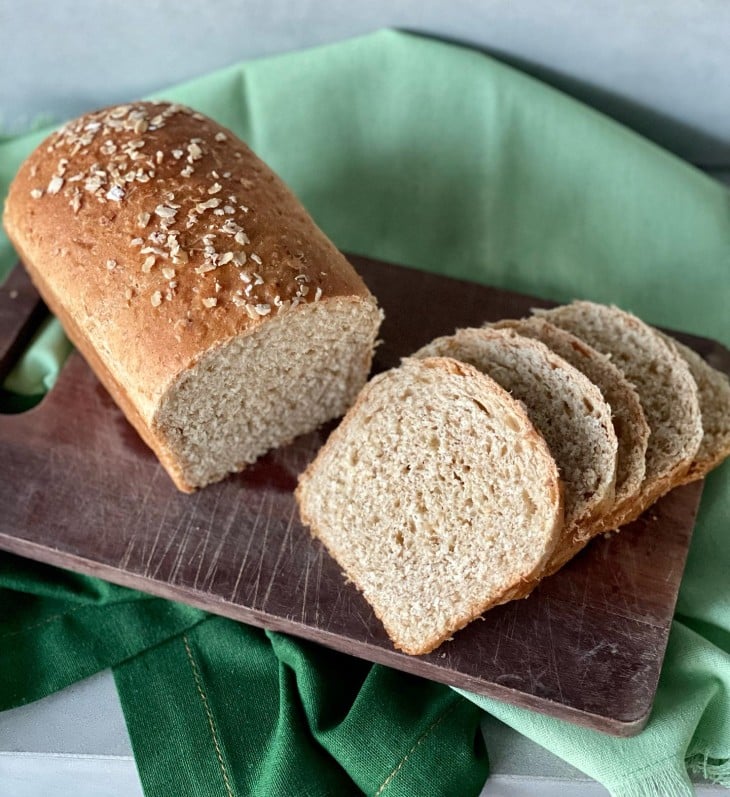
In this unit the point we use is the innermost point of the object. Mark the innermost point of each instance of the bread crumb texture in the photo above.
(713, 391)
(662, 379)
(425, 495)
(627, 414)
(564, 405)
(436, 496)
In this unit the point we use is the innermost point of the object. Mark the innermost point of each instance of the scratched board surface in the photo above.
(80, 490)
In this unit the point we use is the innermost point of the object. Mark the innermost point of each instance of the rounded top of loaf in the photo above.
(163, 235)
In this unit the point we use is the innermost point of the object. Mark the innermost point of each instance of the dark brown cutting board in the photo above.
(80, 490)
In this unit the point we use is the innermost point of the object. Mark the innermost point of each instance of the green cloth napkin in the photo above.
(438, 157)
(214, 707)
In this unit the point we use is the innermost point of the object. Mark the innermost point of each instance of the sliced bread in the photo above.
(565, 406)
(437, 497)
(662, 379)
(628, 418)
(713, 388)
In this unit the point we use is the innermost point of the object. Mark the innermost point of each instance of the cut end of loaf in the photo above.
(265, 387)
(436, 496)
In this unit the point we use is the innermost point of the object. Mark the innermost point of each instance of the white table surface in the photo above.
(660, 67)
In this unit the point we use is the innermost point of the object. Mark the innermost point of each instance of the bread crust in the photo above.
(105, 376)
(156, 235)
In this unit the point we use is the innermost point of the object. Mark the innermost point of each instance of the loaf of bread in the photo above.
(437, 497)
(216, 313)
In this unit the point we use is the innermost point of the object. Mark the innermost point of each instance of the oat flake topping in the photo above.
(190, 237)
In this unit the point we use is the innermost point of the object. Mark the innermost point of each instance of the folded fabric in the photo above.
(214, 707)
(436, 156)
(59, 627)
(266, 714)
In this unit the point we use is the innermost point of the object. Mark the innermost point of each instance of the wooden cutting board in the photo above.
(80, 490)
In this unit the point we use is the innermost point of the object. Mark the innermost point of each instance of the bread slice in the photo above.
(565, 406)
(662, 379)
(436, 495)
(714, 396)
(629, 423)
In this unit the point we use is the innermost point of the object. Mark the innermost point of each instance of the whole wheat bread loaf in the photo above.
(565, 406)
(437, 497)
(216, 313)
(662, 379)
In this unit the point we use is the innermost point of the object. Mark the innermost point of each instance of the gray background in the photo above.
(660, 66)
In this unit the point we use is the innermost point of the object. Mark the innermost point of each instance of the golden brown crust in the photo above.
(155, 235)
(105, 376)
(154, 293)
(701, 467)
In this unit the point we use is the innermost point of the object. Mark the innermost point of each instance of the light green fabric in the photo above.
(438, 157)
(35, 373)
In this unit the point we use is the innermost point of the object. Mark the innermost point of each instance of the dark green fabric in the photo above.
(217, 708)
(58, 627)
(253, 712)
(438, 157)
